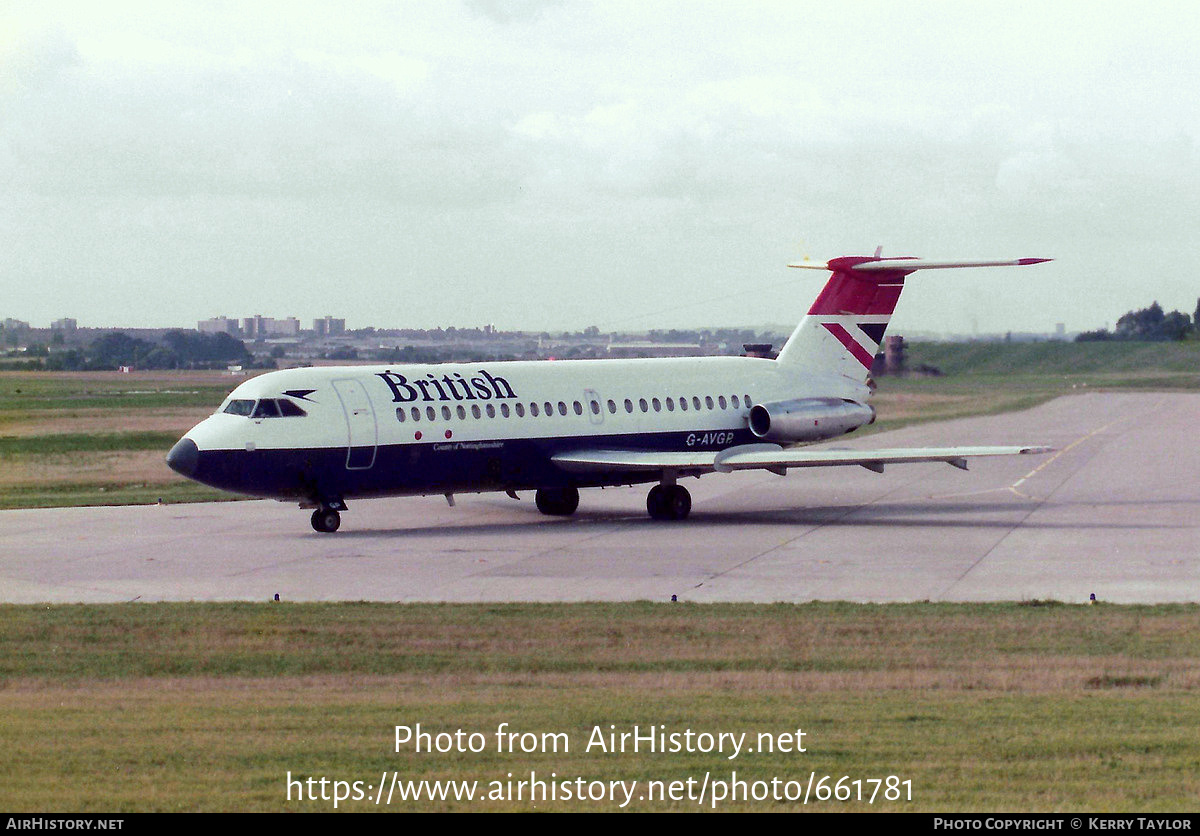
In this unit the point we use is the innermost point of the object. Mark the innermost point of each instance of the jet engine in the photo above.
(808, 419)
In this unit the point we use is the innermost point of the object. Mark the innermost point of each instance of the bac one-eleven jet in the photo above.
(321, 436)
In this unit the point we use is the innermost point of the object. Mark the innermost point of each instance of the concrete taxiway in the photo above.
(1115, 512)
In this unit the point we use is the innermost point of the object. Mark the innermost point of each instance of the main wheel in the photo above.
(679, 502)
(326, 520)
(656, 503)
(557, 502)
(668, 502)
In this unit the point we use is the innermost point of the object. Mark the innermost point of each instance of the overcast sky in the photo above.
(550, 165)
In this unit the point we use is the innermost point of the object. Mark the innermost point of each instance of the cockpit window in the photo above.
(267, 408)
(239, 407)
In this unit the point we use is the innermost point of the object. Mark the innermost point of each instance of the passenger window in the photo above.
(562, 408)
(266, 408)
(289, 410)
(696, 403)
(612, 407)
(504, 409)
(445, 413)
(400, 414)
(670, 405)
(462, 412)
(475, 410)
(747, 400)
(533, 410)
(657, 404)
(578, 408)
(735, 402)
(629, 406)
(491, 411)
(708, 401)
(596, 407)
(430, 413)
(549, 408)
(683, 404)
(520, 411)
(721, 401)
(642, 404)
(416, 413)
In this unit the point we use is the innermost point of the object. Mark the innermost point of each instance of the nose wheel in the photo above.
(669, 502)
(326, 520)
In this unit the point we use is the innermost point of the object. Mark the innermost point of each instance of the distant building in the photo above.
(15, 325)
(289, 327)
(255, 327)
(261, 327)
(218, 325)
(328, 326)
(66, 325)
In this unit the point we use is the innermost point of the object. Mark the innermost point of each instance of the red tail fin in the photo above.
(845, 325)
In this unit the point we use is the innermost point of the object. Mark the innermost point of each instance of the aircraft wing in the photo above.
(775, 458)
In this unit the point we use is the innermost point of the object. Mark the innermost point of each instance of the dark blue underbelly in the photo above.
(432, 467)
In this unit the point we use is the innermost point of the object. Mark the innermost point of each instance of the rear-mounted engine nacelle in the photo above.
(808, 419)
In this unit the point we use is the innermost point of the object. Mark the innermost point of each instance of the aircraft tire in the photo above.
(679, 502)
(656, 503)
(557, 502)
(326, 520)
(668, 502)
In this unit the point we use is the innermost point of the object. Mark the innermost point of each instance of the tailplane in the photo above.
(844, 327)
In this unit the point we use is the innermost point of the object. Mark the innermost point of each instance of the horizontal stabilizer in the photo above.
(908, 265)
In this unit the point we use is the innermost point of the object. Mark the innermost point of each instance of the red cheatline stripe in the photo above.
(843, 336)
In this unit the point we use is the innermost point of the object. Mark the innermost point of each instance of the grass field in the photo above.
(100, 438)
(1016, 707)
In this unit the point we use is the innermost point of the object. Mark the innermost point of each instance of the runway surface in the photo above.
(1115, 512)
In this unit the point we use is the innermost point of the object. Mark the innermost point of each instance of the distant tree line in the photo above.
(1148, 325)
(178, 350)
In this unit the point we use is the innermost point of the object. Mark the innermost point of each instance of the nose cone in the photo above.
(183, 457)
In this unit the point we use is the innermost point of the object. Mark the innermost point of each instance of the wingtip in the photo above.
(1024, 261)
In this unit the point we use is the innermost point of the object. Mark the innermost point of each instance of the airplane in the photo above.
(321, 435)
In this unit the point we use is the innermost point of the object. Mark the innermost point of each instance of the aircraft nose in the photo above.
(183, 457)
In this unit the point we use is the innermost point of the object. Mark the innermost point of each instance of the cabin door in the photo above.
(361, 430)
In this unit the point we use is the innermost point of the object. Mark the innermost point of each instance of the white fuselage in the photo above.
(373, 425)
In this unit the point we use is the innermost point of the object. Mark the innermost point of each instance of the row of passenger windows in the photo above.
(549, 409)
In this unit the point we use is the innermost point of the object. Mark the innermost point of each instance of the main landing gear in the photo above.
(557, 502)
(326, 520)
(669, 502)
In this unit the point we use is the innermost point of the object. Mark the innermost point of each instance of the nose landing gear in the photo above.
(326, 520)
